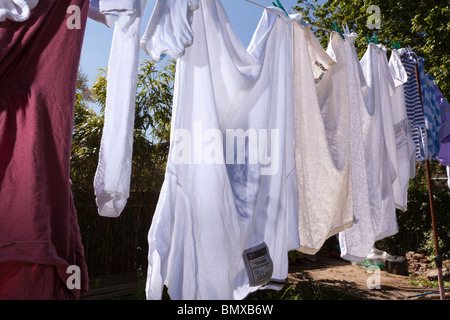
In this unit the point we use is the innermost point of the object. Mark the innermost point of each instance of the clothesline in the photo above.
(312, 25)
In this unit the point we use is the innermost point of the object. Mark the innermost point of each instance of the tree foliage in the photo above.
(422, 25)
(153, 111)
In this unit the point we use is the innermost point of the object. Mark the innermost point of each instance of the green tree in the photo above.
(152, 125)
(87, 130)
(422, 25)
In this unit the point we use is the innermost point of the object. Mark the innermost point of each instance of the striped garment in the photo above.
(431, 110)
(414, 107)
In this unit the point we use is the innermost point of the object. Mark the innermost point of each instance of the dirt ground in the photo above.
(326, 272)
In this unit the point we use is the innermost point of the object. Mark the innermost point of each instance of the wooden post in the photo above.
(437, 258)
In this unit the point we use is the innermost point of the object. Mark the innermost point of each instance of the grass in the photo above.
(424, 282)
(311, 291)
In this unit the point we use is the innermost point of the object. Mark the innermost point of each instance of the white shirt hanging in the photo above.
(381, 154)
(403, 134)
(227, 213)
(322, 142)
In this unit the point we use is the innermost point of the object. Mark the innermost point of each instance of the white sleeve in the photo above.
(397, 69)
(96, 15)
(112, 179)
(169, 31)
(119, 7)
(16, 10)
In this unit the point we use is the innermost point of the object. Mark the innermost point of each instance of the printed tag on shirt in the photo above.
(401, 131)
(259, 265)
(319, 65)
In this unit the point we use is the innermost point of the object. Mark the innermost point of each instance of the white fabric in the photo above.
(378, 221)
(212, 207)
(119, 7)
(174, 20)
(322, 150)
(112, 179)
(96, 15)
(357, 241)
(381, 153)
(403, 134)
(448, 176)
(16, 10)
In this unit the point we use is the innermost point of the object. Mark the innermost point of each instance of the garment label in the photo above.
(401, 131)
(318, 71)
(319, 65)
(259, 265)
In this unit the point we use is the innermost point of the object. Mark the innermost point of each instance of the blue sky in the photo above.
(244, 17)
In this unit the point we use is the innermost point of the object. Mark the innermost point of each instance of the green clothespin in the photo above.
(279, 5)
(375, 39)
(335, 27)
(394, 45)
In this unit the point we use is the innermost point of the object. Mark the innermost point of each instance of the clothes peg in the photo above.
(376, 39)
(346, 29)
(395, 45)
(335, 27)
(279, 5)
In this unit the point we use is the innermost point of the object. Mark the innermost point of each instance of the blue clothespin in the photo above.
(279, 5)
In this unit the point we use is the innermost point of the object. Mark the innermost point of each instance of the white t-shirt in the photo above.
(227, 213)
(405, 146)
(322, 151)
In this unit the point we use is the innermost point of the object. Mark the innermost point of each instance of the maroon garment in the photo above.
(31, 281)
(39, 61)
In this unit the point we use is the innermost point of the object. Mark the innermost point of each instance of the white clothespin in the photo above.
(346, 29)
